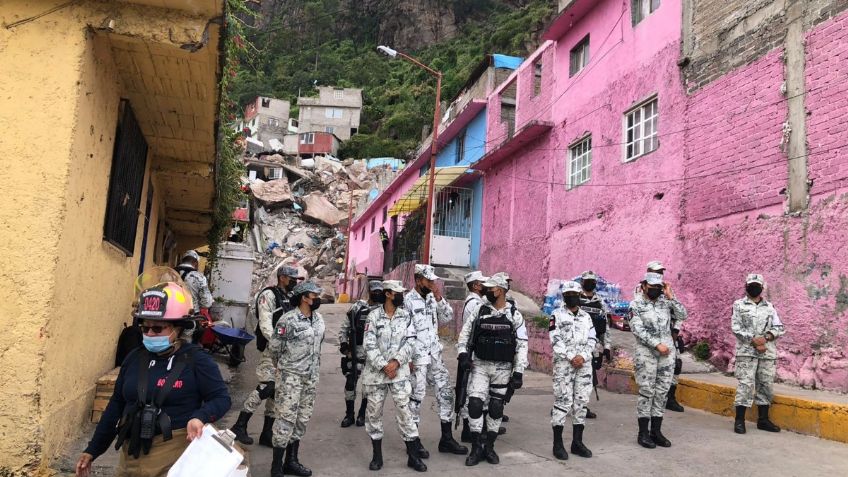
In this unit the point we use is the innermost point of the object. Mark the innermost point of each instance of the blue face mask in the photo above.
(156, 344)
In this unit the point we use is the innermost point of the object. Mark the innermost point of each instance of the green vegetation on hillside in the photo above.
(398, 96)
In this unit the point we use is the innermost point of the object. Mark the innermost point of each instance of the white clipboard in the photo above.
(211, 455)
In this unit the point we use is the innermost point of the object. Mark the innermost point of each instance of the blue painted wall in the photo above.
(475, 144)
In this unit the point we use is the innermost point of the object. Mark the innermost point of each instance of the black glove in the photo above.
(608, 355)
(464, 361)
(344, 348)
(517, 380)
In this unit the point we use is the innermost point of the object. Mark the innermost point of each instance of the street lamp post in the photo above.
(431, 186)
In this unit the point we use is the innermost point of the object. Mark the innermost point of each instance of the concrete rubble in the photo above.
(300, 219)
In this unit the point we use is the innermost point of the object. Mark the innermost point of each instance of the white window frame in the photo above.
(329, 129)
(641, 9)
(579, 170)
(645, 115)
(307, 138)
(333, 113)
(274, 122)
(275, 173)
(580, 54)
(338, 93)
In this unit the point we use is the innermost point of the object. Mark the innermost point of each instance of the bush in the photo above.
(701, 350)
(541, 322)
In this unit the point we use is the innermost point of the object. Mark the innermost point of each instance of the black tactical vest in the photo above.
(593, 307)
(494, 338)
(281, 304)
(359, 323)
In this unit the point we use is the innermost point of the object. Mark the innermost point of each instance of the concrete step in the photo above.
(812, 412)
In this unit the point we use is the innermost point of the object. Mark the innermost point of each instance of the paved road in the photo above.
(703, 444)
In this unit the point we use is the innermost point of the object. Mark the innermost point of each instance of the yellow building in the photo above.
(107, 162)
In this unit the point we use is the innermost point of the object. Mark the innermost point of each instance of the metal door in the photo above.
(451, 244)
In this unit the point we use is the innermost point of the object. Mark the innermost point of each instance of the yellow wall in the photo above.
(65, 292)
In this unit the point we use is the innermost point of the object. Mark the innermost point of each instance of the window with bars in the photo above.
(640, 129)
(640, 9)
(129, 160)
(579, 57)
(338, 93)
(579, 162)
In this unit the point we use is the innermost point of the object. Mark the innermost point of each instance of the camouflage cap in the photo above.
(306, 287)
(755, 278)
(496, 280)
(503, 275)
(571, 286)
(426, 271)
(656, 266)
(475, 276)
(393, 285)
(589, 275)
(375, 285)
(286, 271)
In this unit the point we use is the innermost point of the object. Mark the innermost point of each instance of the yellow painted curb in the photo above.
(804, 416)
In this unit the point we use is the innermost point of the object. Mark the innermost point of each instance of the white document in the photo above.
(210, 455)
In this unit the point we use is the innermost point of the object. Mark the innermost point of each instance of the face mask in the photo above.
(490, 295)
(571, 300)
(397, 301)
(425, 291)
(654, 293)
(589, 286)
(316, 303)
(754, 289)
(290, 286)
(378, 297)
(156, 344)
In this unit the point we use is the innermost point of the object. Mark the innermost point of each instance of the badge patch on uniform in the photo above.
(552, 324)
(281, 330)
(366, 326)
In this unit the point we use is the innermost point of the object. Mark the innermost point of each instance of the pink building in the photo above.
(618, 142)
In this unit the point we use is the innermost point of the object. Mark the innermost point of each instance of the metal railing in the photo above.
(452, 217)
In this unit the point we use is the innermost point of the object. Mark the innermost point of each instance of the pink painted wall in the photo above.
(736, 225)
(537, 229)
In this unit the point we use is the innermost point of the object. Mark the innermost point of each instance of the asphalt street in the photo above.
(703, 443)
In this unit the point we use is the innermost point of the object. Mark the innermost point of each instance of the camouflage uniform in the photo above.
(430, 369)
(491, 377)
(296, 348)
(386, 339)
(755, 371)
(571, 334)
(198, 286)
(472, 305)
(344, 337)
(651, 322)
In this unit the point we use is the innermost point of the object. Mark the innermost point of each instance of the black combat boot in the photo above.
(447, 442)
(739, 423)
(671, 400)
(413, 459)
(377, 457)
(267, 432)
(291, 465)
(476, 454)
(590, 414)
(277, 462)
(360, 416)
(348, 419)
(466, 432)
(577, 446)
(559, 449)
(489, 451)
(240, 428)
(505, 418)
(644, 438)
(763, 422)
(422, 452)
(656, 432)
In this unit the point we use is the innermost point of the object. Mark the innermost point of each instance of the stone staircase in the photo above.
(454, 280)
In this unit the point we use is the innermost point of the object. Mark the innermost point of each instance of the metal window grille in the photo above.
(129, 160)
(407, 244)
(580, 163)
(579, 57)
(453, 213)
(641, 130)
(338, 94)
(276, 173)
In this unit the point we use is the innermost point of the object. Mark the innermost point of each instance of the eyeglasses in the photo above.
(156, 329)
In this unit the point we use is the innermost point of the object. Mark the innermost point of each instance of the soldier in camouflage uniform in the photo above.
(493, 345)
(354, 328)
(389, 347)
(652, 316)
(573, 340)
(271, 304)
(473, 301)
(597, 308)
(756, 326)
(429, 309)
(296, 348)
(196, 282)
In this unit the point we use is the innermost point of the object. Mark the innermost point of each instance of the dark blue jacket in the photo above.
(200, 393)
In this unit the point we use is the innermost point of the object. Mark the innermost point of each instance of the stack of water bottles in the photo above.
(610, 292)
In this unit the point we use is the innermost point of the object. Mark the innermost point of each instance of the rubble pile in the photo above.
(300, 219)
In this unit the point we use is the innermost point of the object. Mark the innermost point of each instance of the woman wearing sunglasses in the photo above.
(165, 392)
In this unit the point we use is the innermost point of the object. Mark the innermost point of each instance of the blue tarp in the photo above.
(382, 161)
(504, 61)
(610, 292)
